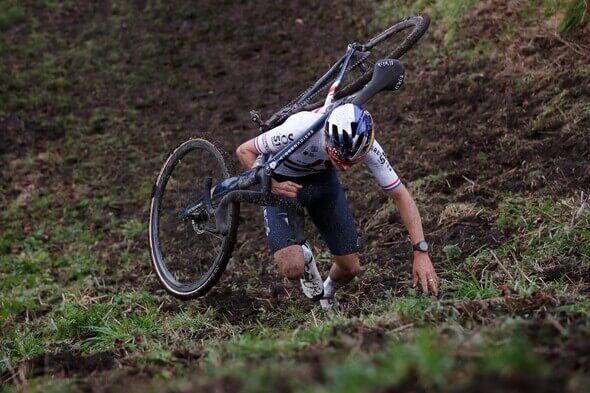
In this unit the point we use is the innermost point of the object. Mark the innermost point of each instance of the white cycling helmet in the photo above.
(348, 133)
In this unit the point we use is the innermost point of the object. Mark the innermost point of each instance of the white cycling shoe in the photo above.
(311, 283)
(329, 301)
(330, 304)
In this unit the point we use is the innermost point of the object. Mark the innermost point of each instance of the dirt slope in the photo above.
(94, 95)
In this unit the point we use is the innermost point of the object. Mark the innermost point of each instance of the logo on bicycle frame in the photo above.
(389, 63)
(399, 82)
(279, 140)
(386, 62)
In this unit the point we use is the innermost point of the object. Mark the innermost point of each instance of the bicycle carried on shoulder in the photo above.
(194, 211)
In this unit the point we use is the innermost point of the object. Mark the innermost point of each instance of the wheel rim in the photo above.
(391, 43)
(185, 259)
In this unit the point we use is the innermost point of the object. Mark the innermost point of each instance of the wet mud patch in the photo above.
(573, 271)
(20, 136)
(221, 385)
(64, 364)
(489, 309)
(358, 335)
(187, 356)
(267, 305)
(574, 354)
(467, 122)
(237, 306)
(469, 234)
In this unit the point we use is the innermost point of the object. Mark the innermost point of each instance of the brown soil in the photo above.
(242, 55)
(62, 365)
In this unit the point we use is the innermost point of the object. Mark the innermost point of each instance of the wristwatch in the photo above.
(421, 246)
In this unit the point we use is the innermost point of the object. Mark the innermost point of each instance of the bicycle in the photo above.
(206, 216)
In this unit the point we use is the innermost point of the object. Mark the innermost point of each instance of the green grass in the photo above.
(445, 13)
(411, 308)
(576, 12)
(513, 357)
(540, 234)
(545, 229)
(452, 252)
(447, 17)
(423, 358)
(74, 267)
(118, 322)
(11, 14)
(76, 321)
(472, 287)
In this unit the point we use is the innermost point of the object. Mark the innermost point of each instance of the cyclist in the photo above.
(309, 176)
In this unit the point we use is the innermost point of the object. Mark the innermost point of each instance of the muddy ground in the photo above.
(465, 131)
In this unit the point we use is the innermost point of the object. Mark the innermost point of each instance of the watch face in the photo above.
(421, 246)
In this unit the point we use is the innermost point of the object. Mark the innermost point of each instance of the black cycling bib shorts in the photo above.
(324, 199)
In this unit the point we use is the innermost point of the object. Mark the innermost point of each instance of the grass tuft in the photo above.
(513, 358)
(574, 16)
(11, 14)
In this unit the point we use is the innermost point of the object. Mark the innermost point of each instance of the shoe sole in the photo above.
(317, 298)
(314, 298)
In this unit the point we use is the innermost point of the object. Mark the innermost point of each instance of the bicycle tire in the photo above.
(420, 22)
(176, 248)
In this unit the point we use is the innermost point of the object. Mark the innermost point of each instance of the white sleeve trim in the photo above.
(381, 170)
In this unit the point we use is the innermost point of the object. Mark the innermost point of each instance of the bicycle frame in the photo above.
(251, 177)
(341, 64)
(387, 75)
(292, 147)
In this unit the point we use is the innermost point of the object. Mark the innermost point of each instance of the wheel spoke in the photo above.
(184, 257)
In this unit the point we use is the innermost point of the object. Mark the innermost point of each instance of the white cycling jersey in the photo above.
(312, 157)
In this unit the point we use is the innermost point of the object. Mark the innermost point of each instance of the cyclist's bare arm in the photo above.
(409, 212)
(422, 270)
(247, 155)
(392, 185)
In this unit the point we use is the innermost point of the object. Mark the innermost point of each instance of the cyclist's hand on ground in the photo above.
(286, 188)
(423, 272)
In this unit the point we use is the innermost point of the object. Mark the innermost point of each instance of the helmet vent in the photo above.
(353, 126)
(335, 137)
(346, 139)
(358, 144)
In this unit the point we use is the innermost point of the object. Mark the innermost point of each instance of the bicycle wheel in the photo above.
(362, 62)
(187, 258)
(389, 44)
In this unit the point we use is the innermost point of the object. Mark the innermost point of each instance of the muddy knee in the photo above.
(290, 261)
(345, 267)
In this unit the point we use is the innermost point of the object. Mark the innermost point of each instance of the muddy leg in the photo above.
(290, 261)
(345, 268)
